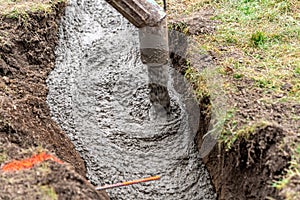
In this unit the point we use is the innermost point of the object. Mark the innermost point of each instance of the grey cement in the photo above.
(99, 95)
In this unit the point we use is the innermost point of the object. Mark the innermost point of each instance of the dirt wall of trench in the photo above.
(247, 169)
(27, 45)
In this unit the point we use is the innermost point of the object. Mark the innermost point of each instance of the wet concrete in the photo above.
(99, 95)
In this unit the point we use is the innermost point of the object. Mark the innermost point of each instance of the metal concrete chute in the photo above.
(140, 13)
(151, 20)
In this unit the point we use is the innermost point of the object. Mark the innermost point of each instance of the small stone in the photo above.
(286, 87)
(6, 79)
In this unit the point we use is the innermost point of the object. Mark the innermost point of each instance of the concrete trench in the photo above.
(98, 93)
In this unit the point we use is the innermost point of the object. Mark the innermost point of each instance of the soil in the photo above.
(26, 58)
(48, 180)
(247, 169)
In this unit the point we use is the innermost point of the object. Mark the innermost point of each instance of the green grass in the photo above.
(230, 134)
(48, 192)
(20, 8)
(3, 157)
(266, 34)
(292, 177)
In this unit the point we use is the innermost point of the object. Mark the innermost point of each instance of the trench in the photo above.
(98, 94)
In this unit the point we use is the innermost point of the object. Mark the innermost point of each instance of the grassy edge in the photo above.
(276, 53)
(20, 9)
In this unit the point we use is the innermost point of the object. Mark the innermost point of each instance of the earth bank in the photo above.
(27, 44)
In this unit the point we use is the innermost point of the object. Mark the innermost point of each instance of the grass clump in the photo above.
(20, 8)
(258, 39)
(3, 157)
(48, 192)
(292, 176)
(198, 81)
(230, 134)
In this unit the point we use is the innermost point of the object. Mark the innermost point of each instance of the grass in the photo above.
(21, 8)
(48, 192)
(292, 177)
(206, 85)
(245, 131)
(3, 157)
(269, 58)
(257, 43)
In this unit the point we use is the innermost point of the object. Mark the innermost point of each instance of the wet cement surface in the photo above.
(99, 95)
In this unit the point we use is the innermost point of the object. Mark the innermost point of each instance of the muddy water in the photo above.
(99, 95)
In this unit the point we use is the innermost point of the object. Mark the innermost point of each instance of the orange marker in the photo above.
(17, 165)
(152, 178)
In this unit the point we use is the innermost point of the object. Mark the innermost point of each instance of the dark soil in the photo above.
(26, 58)
(48, 180)
(247, 169)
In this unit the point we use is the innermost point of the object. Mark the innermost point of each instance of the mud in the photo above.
(99, 95)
